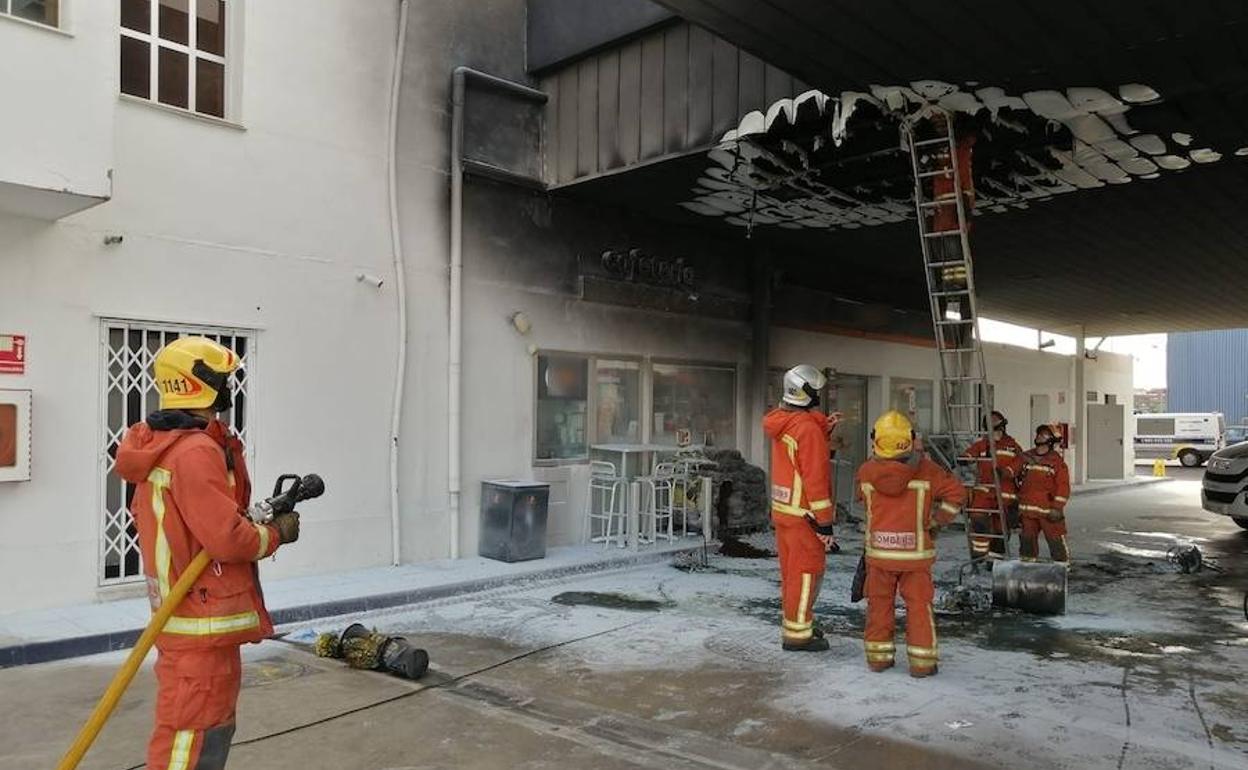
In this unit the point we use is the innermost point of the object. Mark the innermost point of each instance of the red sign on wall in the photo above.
(12, 354)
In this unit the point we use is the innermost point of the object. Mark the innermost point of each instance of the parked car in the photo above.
(1236, 434)
(1224, 489)
(1190, 438)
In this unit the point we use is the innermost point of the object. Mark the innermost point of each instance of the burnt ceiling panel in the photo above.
(1154, 236)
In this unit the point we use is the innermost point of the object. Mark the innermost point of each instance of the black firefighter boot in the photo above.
(813, 644)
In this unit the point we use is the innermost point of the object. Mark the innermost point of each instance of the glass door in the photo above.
(849, 397)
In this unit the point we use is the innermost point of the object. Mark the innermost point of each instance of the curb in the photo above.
(78, 646)
(1139, 482)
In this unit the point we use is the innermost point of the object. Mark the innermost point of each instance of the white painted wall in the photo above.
(57, 94)
(263, 228)
(442, 34)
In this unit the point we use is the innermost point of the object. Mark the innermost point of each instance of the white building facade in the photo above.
(221, 168)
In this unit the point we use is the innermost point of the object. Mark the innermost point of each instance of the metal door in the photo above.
(1105, 435)
(850, 399)
(1039, 415)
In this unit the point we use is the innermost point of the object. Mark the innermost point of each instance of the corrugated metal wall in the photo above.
(670, 91)
(1208, 372)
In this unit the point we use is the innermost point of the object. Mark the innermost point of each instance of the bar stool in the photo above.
(689, 471)
(606, 488)
(663, 486)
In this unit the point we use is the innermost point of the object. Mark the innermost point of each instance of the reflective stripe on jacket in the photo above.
(900, 498)
(1009, 458)
(188, 501)
(800, 464)
(1043, 483)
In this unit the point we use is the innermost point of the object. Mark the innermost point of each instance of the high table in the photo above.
(643, 461)
(644, 454)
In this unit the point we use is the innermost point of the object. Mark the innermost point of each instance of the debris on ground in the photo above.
(613, 601)
(1189, 559)
(691, 561)
(739, 549)
(964, 599)
(372, 650)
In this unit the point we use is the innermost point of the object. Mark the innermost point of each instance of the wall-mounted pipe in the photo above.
(400, 281)
(459, 87)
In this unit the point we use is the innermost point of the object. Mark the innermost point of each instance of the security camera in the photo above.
(371, 280)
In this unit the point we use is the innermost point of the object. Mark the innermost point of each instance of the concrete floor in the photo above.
(1145, 671)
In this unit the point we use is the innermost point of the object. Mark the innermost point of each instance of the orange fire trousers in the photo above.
(918, 592)
(1054, 535)
(196, 693)
(802, 560)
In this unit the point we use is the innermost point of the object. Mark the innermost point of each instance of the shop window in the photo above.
(174, 52)
(130, 395)
(699, 399)
(46, 12)
(913, 398)
(562, 406)
(617, 408)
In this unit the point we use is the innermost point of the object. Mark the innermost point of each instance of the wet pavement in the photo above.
(680, 667)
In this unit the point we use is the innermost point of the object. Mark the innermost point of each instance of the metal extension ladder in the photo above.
(929, 138)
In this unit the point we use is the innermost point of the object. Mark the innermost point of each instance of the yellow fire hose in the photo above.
(123, 677)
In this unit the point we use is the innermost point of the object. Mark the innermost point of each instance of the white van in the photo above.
(1190, 437)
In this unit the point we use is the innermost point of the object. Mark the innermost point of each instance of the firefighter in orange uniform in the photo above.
(1009, 457)
(953, 277)
(801, 502)
(192, 493)
(1043, 490)
(900, 487)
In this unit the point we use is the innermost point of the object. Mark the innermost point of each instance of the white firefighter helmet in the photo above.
(802, 384)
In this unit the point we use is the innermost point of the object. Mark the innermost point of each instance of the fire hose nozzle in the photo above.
(285, 498)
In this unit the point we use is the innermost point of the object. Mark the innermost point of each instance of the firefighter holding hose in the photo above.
(192, 492)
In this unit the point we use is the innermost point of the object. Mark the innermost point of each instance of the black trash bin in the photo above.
(513, 520)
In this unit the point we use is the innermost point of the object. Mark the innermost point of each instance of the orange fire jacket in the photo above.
(1044, 484)
(899, 497)
(801, 483)
(188, 499)
(1008, 462)
(946, 217)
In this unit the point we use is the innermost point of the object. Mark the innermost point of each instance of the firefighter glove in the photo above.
(820, 529)
(1055, 514)
(287, 526)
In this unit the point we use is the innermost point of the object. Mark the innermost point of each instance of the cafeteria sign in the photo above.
(12, 354)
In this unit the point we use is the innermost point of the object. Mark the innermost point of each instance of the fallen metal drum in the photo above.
(1038, 587)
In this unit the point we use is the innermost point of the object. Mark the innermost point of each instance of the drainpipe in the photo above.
(1078, 418)
(400, 282)
(459, 86)
(760, 356)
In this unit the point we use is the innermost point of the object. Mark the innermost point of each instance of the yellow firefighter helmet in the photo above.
(892, 436)
(194, 373)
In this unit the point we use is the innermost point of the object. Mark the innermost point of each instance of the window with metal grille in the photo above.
(130, 395)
